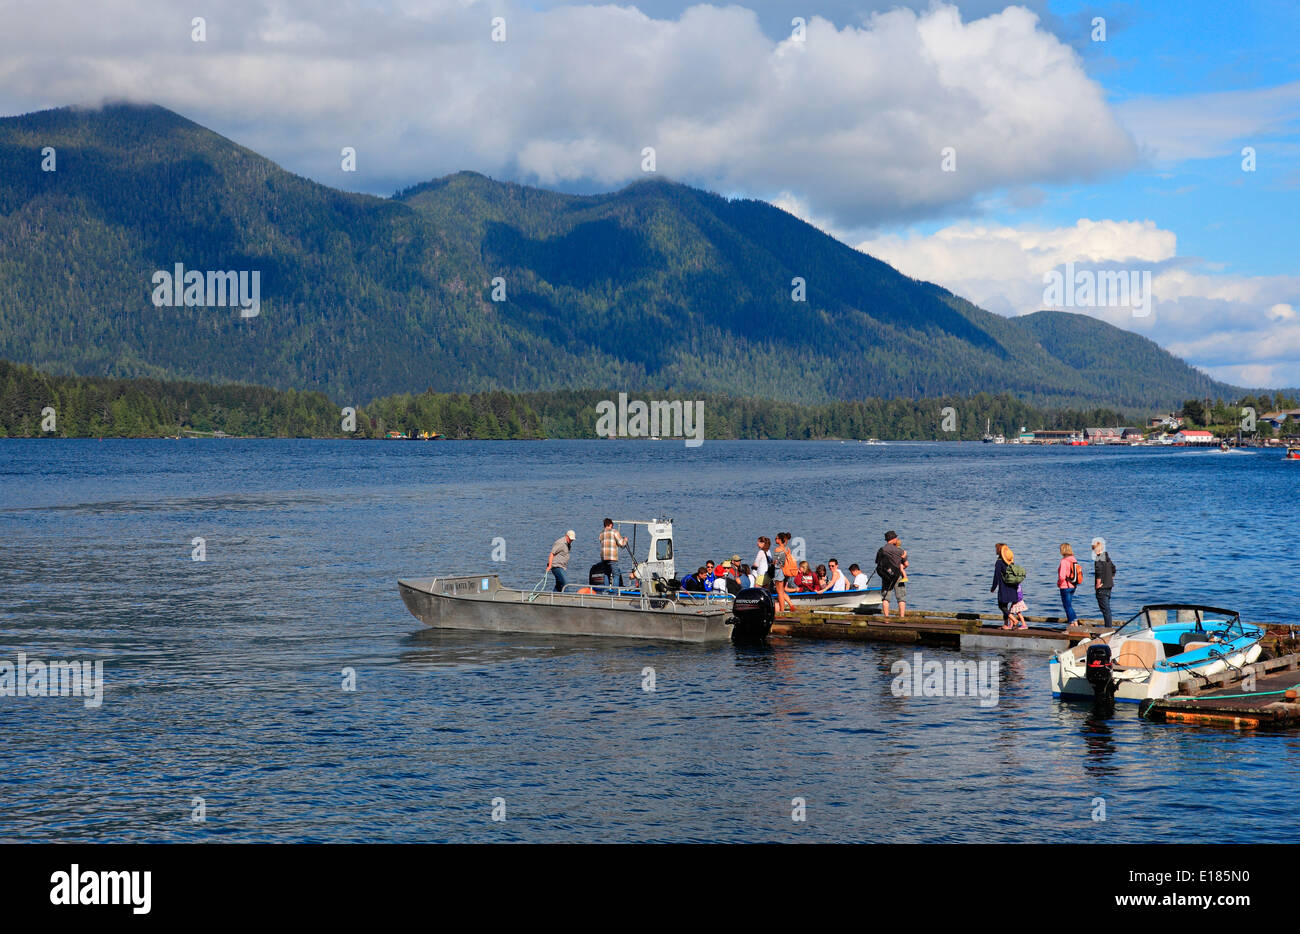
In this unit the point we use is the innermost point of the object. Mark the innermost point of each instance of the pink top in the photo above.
(1065, 572)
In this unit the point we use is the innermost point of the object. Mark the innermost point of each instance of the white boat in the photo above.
(840, 599)
(827, 599)
(1154, 652)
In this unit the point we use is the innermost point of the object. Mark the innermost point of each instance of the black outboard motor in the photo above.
(752, 613)
(1101, 671)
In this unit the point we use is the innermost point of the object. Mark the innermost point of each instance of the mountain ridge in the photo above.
(655, 284)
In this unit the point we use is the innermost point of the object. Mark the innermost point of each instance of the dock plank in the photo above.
(1230, 705)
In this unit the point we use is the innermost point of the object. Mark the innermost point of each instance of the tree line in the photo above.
(38, 404)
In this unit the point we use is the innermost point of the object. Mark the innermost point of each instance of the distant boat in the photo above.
(1292, 454)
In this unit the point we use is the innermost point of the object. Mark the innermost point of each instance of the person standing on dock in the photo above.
(1103, 574)
(763, 562)
(1007, 593)
(610, 543)
(786, 568)
(1068, 576)
(558, 560)
(890, 562)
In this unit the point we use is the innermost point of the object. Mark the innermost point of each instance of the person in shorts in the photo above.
(891, 567)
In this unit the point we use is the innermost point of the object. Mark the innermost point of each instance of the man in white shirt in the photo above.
(859, 579)
(838, 582)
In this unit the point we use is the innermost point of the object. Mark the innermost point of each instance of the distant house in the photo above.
(1164, 422)
(1192, 436)
(1281, 417)
(1102, 435)
(1131, 434)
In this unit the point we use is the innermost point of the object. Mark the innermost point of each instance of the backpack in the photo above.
(1013, 575)
(1076, 574)
(886, 570)
(789, 567)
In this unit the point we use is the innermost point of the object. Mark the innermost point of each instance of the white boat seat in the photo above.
(1138, 653)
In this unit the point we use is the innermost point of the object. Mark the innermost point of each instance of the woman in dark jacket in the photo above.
(1007, 593)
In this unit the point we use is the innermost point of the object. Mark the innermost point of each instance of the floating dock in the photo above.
(967, 630)
(925, 627)
(1273, 699)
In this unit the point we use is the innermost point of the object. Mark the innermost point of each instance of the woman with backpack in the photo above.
(1007, 578)
(1069, 574)
(786, 569)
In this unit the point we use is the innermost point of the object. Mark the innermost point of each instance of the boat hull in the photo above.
(840, 599)
(1069, 681)
(481, 604)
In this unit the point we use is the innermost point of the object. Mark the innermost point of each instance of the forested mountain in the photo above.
(657, 284)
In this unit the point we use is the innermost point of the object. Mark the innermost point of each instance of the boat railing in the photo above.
(587, 596)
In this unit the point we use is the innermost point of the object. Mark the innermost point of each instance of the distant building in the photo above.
(1131, 434)
(1192, 436)
(1104, 435)
(1164, 422)
(1052, 436)
(1281, 417)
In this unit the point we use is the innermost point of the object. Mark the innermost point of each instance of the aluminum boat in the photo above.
(482, 603)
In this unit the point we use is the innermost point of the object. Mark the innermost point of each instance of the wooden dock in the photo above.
(967, 630)
(926, 627)
(1272, 701)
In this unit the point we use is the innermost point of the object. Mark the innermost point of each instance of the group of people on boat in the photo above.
(778, 570)
(1009, 578)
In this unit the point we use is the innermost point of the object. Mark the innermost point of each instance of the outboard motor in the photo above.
(752, 613)
(1101, 673)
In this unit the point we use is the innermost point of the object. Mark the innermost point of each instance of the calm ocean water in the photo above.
(223, 677)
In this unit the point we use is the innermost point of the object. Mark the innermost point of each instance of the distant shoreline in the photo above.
(36, 404)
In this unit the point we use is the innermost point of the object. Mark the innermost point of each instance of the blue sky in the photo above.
(1176, 51)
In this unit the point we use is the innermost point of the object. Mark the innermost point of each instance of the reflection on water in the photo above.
(224, 678)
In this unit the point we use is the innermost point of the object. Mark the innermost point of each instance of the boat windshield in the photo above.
(1186, 616)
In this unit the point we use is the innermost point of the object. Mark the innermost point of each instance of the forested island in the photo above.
(36, 404)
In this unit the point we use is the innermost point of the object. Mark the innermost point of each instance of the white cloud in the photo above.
(1242, 329)
(853, 119)
(1200, 126)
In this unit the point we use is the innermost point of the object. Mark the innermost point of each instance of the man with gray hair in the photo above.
(1103, 575)
(558, 560)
